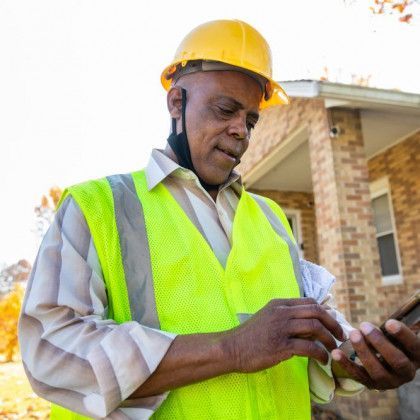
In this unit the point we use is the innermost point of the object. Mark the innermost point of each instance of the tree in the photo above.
(13, 277)
(402, 8)
(9, 313)
(15, 273)
(44, 212)
(11, 293)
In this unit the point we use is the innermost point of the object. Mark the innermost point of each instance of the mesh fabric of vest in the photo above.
(195, 294)
(95, 200)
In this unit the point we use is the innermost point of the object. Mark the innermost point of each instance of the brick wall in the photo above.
(304, 202)
(346, 237)
(343, 208)
(401, 164)
(275, 124)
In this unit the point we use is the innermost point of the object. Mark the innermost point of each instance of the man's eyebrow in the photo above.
(230, 99)
(238, 105)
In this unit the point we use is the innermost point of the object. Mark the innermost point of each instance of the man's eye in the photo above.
(226, 111)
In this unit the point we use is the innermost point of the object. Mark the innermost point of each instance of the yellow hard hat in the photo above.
(234, 43)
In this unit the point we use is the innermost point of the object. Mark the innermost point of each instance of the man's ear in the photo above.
(174, 102)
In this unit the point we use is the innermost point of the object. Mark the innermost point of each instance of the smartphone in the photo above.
(408, 313)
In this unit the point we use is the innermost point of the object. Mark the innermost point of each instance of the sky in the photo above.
(80, 93)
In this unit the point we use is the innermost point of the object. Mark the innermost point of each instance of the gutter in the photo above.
(351, 93)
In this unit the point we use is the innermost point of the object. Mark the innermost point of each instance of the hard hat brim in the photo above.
(278, 96)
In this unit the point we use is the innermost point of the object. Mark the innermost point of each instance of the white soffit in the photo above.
(293, 173)
(280, 153)
(383, 129)
(332, 103)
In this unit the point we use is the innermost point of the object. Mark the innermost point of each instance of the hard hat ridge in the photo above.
(230, 43)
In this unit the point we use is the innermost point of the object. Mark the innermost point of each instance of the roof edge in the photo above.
(351, 93)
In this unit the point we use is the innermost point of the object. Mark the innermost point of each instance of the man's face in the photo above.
(222, 109)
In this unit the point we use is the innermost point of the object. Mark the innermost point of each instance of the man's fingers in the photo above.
(356, 372)
(312, 329)
(318, 312)
(366, 355)
(381, 377)
(394, 357)
(410, 342)
(308, 348)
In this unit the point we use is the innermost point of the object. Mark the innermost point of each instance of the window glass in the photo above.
(388, 255)
(382, 214)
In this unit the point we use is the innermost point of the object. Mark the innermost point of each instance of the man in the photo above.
(173, 292)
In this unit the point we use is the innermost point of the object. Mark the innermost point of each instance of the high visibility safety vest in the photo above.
(160, 271)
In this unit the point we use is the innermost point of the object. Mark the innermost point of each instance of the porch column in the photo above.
(345, 232)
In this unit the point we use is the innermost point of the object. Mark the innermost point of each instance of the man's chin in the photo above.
(216, 180)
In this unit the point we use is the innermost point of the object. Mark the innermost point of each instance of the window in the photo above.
(385, 232)
(293, 217)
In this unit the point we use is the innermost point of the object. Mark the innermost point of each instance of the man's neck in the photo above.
(171, 155)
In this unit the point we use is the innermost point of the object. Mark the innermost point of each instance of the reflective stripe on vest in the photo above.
(278, 227)
(134, 250)
(150, 291)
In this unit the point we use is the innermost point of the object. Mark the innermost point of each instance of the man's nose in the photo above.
(238, 128)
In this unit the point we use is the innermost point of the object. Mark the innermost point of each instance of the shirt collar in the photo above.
(160, 166)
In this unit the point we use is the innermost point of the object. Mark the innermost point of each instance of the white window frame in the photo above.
(377, 189)
(294, 214)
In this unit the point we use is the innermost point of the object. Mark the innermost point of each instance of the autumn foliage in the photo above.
(17, 400)
(11, 291)
(44, 212)
(9, 312)
(403, 8)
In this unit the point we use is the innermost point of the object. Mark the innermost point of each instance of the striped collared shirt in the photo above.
(71, 351)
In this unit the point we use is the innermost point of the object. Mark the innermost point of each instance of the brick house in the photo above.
(344, 163)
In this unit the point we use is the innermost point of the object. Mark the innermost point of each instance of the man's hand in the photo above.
(280, 330)
(283, 328)
(384, 365)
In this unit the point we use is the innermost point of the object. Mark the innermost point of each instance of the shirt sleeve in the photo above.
(317, 283)
(72, 354)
